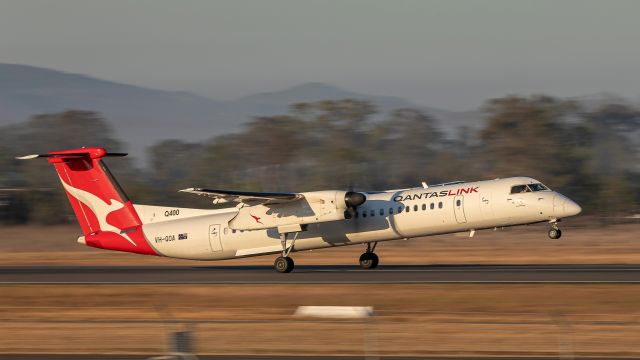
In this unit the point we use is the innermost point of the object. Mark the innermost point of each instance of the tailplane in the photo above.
(105, 213)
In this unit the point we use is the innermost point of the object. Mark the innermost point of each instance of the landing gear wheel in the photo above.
(283, 264)
(555, 233)
(369, 260)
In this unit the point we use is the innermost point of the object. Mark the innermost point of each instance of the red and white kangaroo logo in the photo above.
(99, 207)
(257, 219)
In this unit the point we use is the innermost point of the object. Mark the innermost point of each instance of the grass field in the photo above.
(409, 319)
(423, 319)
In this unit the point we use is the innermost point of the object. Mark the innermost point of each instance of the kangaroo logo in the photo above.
(257, 219)
(100, 208)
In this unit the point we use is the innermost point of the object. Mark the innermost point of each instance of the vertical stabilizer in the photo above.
(105, 213)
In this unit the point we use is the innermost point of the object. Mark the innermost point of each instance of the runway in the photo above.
(275, 357)
(331, 274)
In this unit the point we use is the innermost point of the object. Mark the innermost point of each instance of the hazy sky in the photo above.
(451, 54)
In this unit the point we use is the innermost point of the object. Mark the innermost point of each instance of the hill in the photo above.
(141, 116)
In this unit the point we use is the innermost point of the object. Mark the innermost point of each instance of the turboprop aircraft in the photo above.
(282, 223)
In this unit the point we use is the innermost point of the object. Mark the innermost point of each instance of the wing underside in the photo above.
(224, 196)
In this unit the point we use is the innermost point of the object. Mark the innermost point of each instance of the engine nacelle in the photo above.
(315, 207)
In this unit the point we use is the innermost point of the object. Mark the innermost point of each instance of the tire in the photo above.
(369, 260)
(376, 260)
(290, 264)
(283, 264)
(555, 234)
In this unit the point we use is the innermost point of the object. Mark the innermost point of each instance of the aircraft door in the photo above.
(458, 206)
(214, 238)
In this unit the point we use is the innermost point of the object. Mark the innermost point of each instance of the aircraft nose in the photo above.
(571, 208)
(564, 207)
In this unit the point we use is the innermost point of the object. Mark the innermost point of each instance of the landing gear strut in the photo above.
(285, 264)
(554, 232)
(369, 259)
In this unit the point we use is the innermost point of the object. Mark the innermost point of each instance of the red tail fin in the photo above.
(106, 216)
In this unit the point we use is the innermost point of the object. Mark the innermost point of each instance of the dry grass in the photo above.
(469, 319)
(521, 245)
(428, 319)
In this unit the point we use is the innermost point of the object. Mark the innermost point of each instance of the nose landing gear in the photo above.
(554, 232)
(369, 259)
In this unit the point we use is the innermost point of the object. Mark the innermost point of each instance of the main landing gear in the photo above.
(554, 232)
(369, 259)
(285, 264)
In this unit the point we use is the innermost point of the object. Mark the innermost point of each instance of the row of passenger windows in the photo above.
(372, 213)
(390, 211)
(233, 231)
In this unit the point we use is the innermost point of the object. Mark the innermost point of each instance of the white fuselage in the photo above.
(389, 215)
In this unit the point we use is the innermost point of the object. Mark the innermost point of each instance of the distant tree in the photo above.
(614, 163)
(335, 147)
(615, 135)
(527, 136)
(405, 146)
(51, 132)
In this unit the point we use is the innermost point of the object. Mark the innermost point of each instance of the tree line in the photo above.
(589, 153)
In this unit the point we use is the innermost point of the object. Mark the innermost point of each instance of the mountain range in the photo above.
(141, 116)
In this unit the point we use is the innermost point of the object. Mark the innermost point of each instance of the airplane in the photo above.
(263, 223)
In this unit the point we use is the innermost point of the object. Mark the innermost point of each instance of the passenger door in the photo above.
(214, 238)
(458, 206)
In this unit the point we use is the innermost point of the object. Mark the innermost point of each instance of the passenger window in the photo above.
(381, 212)
(373, 213)
(390, 211)
(355, 215)
(364, 214)
(431, 206)
(424, 207)
(407, 209)
(415, 207)
(440, 205)
(458, 203)
(399, 209)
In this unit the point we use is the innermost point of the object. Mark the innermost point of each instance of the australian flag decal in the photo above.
(182, 236)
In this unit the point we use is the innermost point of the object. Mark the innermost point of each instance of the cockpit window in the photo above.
(517, 189)
(537, 187)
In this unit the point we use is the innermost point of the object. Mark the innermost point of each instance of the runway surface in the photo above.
(390, 274)
(268, 357)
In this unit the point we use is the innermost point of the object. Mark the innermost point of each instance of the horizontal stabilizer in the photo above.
(65, 155)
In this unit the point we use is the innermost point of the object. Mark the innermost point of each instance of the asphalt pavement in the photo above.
(331, 274)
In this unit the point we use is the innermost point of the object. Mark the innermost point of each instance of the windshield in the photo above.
(519, 189)
(528, 188)
(537, 187)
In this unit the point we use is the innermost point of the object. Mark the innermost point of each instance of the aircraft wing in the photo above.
(248, 197)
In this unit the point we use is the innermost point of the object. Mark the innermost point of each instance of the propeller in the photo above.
(353, 199)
